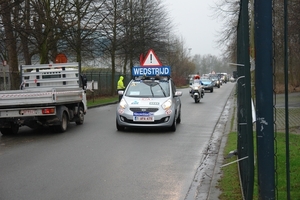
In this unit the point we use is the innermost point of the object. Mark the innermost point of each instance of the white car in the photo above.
(149, 101)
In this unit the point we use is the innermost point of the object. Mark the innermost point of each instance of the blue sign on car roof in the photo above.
(151, 71)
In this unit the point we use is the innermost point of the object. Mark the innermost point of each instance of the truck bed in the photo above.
(41, 96)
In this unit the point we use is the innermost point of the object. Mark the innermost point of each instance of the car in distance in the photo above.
(207, 84)
(149, 101)
(216, 80)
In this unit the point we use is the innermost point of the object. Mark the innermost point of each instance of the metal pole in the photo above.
(245, 126)
(286, 66)
(264, 99)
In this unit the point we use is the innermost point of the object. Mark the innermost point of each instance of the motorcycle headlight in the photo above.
(196, 88)
(123, 104)
(167, 104)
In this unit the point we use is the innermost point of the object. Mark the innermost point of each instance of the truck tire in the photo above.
(80, 116)
(10, 131)
(64, 123)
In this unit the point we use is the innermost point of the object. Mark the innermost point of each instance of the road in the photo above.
(95, 161)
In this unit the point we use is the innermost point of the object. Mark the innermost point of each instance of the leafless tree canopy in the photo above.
(116, 32)
(229, 10)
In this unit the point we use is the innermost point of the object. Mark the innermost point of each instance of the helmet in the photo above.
(196, 77)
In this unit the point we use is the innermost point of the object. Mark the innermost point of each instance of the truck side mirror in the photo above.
(84, 81)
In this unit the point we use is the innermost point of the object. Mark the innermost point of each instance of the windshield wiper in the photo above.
(151, 91)
(162, 90)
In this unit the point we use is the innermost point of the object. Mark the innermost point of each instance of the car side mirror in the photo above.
(178, 93)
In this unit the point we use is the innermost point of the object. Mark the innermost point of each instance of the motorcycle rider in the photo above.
(197, 81)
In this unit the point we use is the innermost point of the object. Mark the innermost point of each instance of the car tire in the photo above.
(120, 128)
(178, 120)
(173, 127)
(212, 90)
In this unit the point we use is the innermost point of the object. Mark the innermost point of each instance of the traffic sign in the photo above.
(151, 71)
(151, 60)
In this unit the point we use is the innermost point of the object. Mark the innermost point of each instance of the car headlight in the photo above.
(167, 104)
(123, 104)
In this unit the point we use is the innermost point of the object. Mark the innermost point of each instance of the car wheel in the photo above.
(178, 120)
(120, 128)
(173, 127)
(212, 90)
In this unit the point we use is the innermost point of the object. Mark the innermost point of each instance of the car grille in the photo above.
(144, 109)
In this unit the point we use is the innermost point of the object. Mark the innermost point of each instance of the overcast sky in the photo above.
(194, 22)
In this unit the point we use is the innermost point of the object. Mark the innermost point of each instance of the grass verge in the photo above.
(101, 101)
(229, 183)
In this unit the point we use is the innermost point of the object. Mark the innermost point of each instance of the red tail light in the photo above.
(48, 110)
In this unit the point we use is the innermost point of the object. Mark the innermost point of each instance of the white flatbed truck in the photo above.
(50, 96)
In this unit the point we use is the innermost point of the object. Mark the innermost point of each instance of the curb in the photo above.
(205, 181)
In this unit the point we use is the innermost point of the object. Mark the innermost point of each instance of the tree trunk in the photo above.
(11, 46)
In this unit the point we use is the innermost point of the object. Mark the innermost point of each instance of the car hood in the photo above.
(146, 101)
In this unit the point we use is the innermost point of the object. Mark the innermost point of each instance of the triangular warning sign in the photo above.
(151, 59)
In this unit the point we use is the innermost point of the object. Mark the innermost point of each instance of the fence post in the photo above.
(245, 126)
(264, 99)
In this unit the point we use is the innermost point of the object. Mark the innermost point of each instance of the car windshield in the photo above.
(148, 89)
(205, 80)
(214, 77)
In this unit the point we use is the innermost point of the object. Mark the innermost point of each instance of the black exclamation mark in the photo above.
(150, 58)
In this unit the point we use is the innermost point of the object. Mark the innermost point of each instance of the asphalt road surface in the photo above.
(95, 161)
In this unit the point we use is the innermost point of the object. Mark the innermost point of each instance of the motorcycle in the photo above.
(196, 91)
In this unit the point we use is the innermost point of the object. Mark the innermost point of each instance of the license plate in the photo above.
(27, 112)
(143, 117)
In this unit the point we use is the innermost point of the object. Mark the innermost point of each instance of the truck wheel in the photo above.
(80, 116)
(10, 131)
(64, 123)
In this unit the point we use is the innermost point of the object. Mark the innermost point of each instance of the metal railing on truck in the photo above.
(50, 75)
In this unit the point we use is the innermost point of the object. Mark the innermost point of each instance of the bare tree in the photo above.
(118, 29)
(294, 43)
(6, 8)
(82, 27)
(227, 11)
